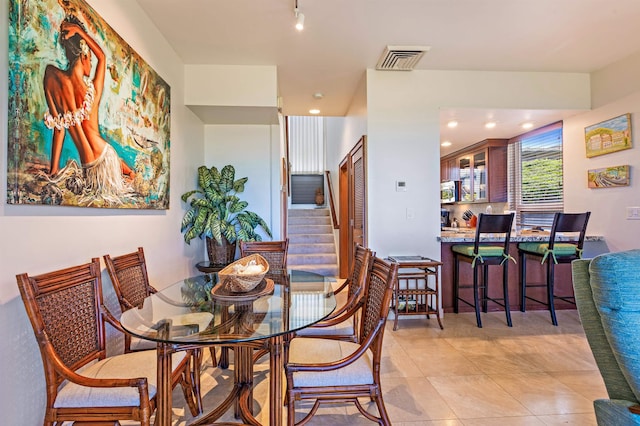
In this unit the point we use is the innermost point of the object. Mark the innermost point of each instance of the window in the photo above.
(535, 176)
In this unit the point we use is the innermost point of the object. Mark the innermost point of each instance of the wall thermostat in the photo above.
(401, 186)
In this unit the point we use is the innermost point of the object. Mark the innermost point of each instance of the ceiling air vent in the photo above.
(401, 58)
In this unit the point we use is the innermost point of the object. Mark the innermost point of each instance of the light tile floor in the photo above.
(530, 374)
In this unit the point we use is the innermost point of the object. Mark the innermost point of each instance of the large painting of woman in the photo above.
(91, 118)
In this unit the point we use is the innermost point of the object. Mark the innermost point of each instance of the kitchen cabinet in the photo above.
(449, 170)
(482, 171)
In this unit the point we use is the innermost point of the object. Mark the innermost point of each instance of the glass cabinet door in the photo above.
(464, 166)
(480, 176)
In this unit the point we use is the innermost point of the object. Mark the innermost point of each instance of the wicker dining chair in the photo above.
(130, 280)
(68, 317)
(329, 370)
(275, 253)
(342, 324)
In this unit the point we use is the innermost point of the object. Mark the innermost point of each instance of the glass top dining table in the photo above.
(199, 311)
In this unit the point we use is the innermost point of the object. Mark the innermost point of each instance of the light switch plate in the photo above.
(633, 213)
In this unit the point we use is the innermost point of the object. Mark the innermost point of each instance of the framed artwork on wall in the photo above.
(608, 136)
(89, 119)
(608, 177)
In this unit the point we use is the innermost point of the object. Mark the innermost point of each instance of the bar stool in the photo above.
(573, 227)
(493, 250)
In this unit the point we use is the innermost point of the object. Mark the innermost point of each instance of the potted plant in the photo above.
(217, 214)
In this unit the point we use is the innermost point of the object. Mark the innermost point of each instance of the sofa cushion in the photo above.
(615, 282)
(615, 382)
(615, 412)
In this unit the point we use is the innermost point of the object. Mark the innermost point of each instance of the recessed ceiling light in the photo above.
(452, 123)
(490, 124)
(314, 111)
(445, 143)
(527, 125)
(318, 95)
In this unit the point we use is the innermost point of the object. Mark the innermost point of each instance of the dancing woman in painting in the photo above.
(73, 99)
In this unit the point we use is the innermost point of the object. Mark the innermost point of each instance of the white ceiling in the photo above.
(342, 38)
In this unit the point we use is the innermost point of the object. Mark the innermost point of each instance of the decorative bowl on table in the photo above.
(244, 274)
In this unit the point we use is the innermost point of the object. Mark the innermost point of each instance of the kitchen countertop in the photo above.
(468, 235)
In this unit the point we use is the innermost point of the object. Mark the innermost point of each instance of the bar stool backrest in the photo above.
(571, 223)
(499, 224)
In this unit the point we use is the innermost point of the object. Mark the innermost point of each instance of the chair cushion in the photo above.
(560, 249)
(307, 350)
(615, 282)
(484, 251)
(131, 365)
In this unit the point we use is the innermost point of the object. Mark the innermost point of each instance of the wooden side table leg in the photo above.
(396, 304)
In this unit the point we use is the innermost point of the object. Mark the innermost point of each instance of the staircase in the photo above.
(311, 243)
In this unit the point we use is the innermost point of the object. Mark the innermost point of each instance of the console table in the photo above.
(417, 287)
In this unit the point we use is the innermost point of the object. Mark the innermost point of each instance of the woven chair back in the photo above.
(129, 277)
(275, 252)
(64, 310)
(378, 292)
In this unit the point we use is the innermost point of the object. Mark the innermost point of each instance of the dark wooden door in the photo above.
(353, 205)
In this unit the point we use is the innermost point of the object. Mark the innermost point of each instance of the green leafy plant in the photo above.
(217, 212)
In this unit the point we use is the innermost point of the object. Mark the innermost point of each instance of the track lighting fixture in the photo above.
(299, 17)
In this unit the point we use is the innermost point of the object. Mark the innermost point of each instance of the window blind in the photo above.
(306, 145)
(535, 179)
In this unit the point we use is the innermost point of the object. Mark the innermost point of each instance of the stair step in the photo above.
(310, 220)
(311, 248)
(310, 229)
(328, 270)
(308, 212)
(311, 259)
(311, 242)
(310, 239)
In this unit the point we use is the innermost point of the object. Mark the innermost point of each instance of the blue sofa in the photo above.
(607, 291)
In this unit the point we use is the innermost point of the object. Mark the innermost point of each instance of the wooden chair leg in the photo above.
(456, 283)
(505, 289)
(550, 291)
(476, 302)
(485, 287)
(523, 281)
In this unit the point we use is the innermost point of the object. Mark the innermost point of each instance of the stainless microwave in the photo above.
(450, 191)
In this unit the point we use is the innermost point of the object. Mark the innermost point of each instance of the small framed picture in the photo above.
(608, 177)
(608, 136)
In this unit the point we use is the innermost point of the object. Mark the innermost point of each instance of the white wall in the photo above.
(403, 141)
(615, 81)
(37, 239)
(607, 205)
(254, 151)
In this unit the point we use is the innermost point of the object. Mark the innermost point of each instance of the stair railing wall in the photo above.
(332, 206)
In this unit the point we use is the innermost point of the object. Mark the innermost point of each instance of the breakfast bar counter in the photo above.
(594, 245)
(467, 235)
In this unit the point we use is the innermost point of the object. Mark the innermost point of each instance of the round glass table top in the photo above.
(198, 310)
